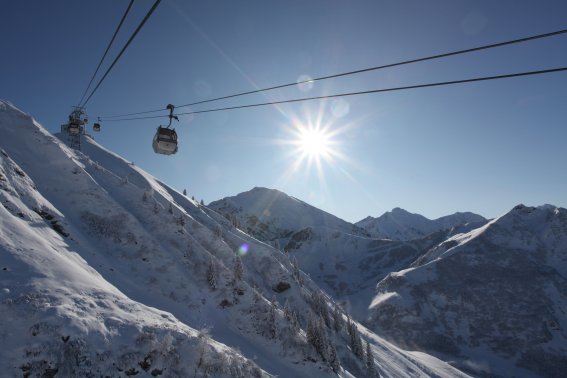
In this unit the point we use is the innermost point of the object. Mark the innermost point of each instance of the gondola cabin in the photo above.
(96, 127)
(165, 141)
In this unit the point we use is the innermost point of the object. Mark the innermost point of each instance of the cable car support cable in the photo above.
(432, 57)
(437, 84)
(107, 49)
(123, 49)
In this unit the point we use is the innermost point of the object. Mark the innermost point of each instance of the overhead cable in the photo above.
(437, 84)
(432, 57)
(123, 49)
(107, 48)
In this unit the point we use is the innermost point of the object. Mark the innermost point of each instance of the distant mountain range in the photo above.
(345, 259)
(400, 224)
(490, 296)
(501, 288)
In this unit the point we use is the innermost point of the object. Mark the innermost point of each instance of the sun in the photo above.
(313, 145)
(314, 142)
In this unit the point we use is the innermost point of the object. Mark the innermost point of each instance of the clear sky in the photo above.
(481, 147)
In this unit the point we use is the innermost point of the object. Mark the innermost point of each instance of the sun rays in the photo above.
(313, 145)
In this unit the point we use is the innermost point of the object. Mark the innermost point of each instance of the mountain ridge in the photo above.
(400, 224)
(318, 241)
(511, 299)
(429, 294)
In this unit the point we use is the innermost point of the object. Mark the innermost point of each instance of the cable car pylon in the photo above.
(75, 127)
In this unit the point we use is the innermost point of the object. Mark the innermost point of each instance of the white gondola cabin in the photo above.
(165, 141)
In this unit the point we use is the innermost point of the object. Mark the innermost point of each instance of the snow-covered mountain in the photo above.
(105, 271)
(400, 224)
(489, 296)
(340, 257)
(271, 215)
(493, 300)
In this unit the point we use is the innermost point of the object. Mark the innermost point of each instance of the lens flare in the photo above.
(340, 108)
(305, 83)
(243, 249)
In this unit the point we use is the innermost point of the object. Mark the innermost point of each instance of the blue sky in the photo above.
(482, 147)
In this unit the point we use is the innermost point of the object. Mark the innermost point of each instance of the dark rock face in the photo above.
(298, 238)
(281, 287)
(503, 289)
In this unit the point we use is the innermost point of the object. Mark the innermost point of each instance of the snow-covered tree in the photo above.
(170, 208)
(184, 192)
(291, 316)
(256, 292)
(311, 330)
(212, 273)
(272, 319)
(203, 358)
(316, 335)
(355, 342)
(370, 368)
(319, 305)
(334, 358)
(338, 321)
(145, 197)
(296, 273)
(218, 231)
(294, 321)
(234, 221)
(287, 310)
(238, 269)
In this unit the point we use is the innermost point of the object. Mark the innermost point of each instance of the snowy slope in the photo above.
(349, 267)
(493, 299)
(400, 224)
(61, 316)
(107, 271)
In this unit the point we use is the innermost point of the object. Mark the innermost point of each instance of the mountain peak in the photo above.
(399, 210)
(269, 214)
